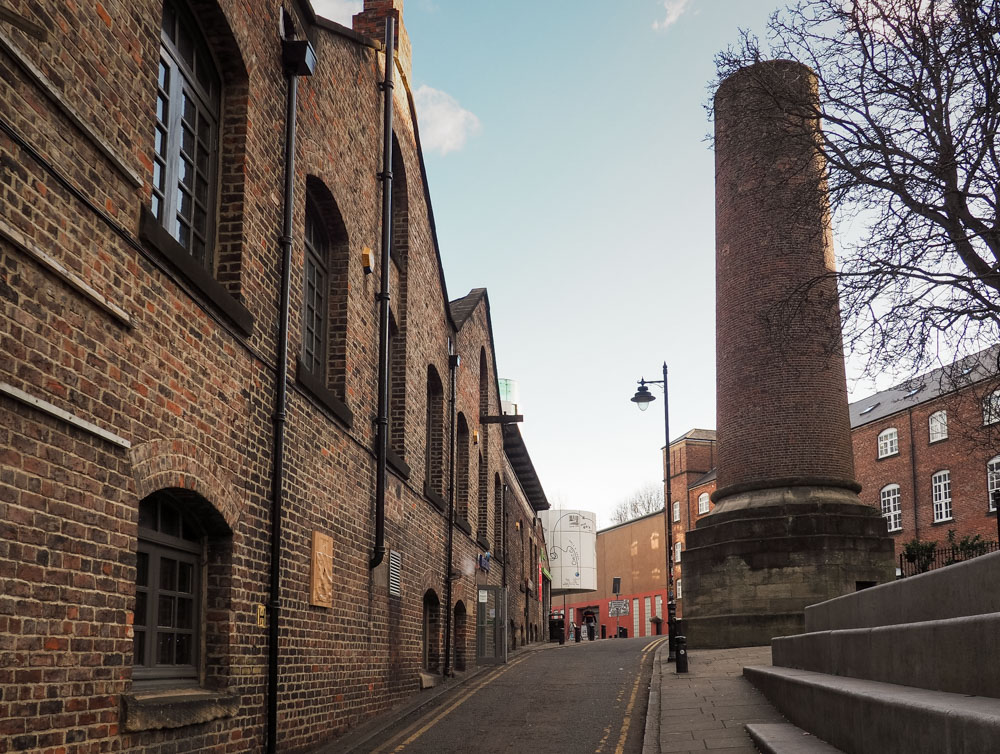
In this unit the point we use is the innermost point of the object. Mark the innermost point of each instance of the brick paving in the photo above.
(707, 708)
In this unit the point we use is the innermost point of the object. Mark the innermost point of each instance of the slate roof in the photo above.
(517, 453)
(462, 308)
(926, 387)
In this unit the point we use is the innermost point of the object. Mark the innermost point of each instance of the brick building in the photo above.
(692, 482)
(526, 576)
(150, 472)
(927, 452)
(634, 552)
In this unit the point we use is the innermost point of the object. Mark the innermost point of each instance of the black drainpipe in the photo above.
(382, 419)
(503, 535)
(913, 476)
(453, 361)
(298, 59)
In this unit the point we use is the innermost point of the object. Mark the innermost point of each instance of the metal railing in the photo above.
(944, 556)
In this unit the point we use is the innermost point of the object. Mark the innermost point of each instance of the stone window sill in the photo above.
(464, 525)
(156, 235)
(175, 708)
(314, 385)
(396, 463)
(435, 498)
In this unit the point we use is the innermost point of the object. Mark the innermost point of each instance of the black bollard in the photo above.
(682, 654)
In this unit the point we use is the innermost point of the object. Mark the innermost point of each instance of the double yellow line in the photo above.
(627, 721)
(417, 729)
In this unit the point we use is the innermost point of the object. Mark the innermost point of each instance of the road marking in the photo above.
(412, 733)
(627, 721)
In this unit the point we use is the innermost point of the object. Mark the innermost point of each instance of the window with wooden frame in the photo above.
(941, 495)
(937, 426)
(168, 593)
(186, 137)
(889, 498)
(888, 442)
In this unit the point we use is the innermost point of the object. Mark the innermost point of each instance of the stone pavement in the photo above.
(706, 708)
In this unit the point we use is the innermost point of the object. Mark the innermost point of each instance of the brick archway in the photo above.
(173, 463)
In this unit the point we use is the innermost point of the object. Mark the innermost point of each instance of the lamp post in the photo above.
(642, 399)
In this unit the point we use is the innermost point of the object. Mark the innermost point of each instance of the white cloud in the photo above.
(674, 10)
(340, 11)
(444, 124)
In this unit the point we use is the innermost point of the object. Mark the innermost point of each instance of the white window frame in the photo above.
(992, 481)
(937, 426)
(677, 510)
(991, 408)
(703, 503)
(941, 495)
(888, 442)
(892, 509)
(677, 552)
(678, 592)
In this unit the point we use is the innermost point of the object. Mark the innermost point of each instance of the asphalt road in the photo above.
(578, 698)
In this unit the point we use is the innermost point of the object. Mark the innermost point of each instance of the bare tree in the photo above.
(647, 499)
(909, 95)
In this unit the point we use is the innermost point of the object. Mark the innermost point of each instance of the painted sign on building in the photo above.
(571, 539)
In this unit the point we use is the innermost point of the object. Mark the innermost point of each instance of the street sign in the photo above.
(617, 607)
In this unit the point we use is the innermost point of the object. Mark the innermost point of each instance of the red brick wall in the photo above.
(782, 411)
(964, 454)
(193, 395)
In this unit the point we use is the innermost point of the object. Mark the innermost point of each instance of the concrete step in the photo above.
(949, 653)
(861, 716)
(785, 738)
(967, 588)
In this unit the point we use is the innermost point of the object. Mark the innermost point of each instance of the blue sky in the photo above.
(569, 173)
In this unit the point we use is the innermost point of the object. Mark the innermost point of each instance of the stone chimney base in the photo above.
(751, 570)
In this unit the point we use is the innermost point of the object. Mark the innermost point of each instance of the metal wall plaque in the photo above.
(321, 572)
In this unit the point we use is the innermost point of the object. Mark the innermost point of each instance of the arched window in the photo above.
(703, 502)
(462, 472)
(498, 522)
(482, 524)
(323, 356)
(677, 510)
(399, 274)
(461, 635)
(993, 481)
(891, 507)
(431, 632)
(434, 457)
(397, 388)
(182, 546)
(941, 495)
(938, 426)
(482, 534)
(888, 442)
(315, 288)
(991, 408)
(186, 139)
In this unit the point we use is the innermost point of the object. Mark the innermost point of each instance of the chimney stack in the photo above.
(788, 529)
(371, 23)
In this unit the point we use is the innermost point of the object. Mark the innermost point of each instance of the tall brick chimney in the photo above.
(788, 529)
(371, 23)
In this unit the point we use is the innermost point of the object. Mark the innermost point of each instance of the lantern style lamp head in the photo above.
(643, 397)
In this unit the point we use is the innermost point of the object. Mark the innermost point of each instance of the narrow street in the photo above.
(587, 697)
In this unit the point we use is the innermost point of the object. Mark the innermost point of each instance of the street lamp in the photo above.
(642, 399)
